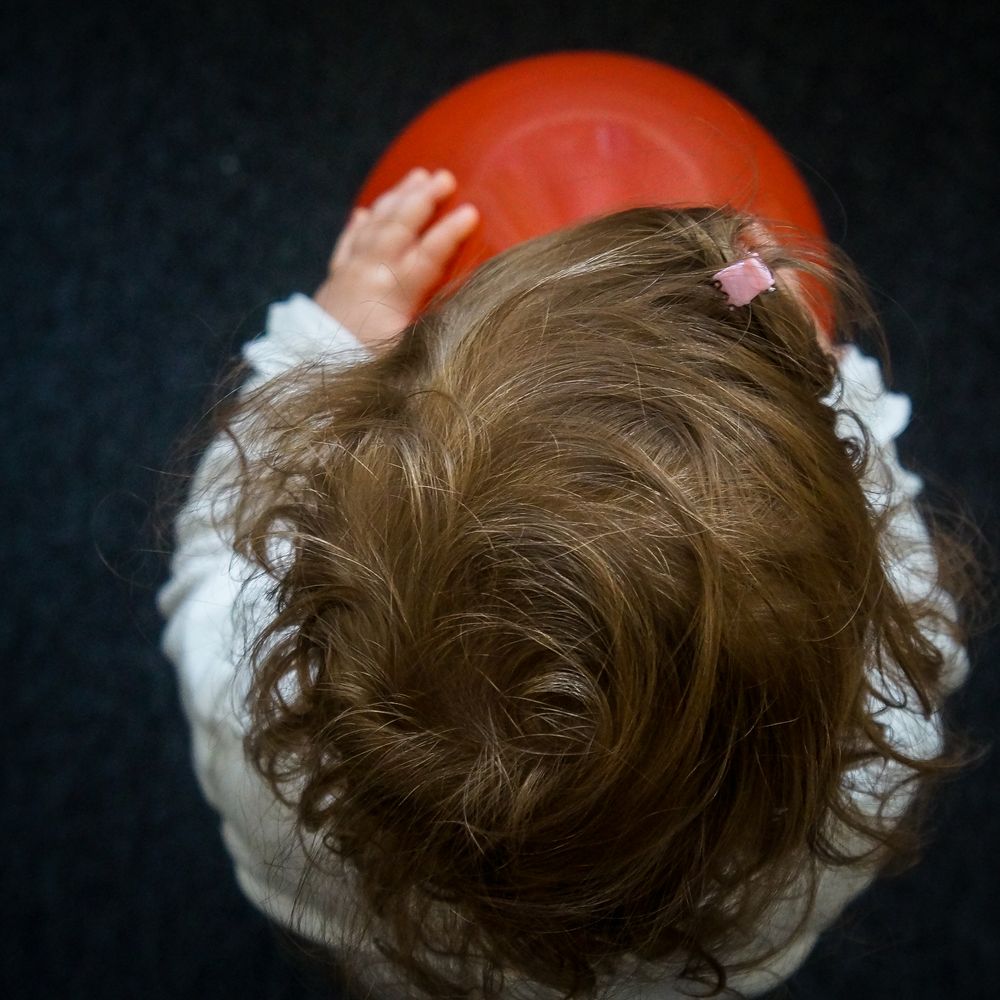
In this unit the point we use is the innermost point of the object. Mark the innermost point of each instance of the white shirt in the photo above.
(204, 638)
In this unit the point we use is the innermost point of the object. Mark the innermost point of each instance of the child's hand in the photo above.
(383, 265)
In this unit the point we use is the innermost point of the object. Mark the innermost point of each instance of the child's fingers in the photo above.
(414, 203)
(442, 239)
(387, 202)
(345, 242)
(418, 205)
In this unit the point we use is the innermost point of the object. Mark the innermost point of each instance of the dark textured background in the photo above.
(169, 169)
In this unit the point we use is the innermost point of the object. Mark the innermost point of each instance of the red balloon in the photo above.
(544, 142)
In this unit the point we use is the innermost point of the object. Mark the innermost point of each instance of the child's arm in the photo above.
(381, 268)
(358, 308)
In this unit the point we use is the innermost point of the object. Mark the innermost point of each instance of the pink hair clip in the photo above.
(745, 280)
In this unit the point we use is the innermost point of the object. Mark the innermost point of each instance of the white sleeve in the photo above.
(297, 331)
(911, 562)
(912, 568)
(208, 591)
(206, 575)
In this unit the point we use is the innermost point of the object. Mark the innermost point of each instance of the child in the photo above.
(574, 635)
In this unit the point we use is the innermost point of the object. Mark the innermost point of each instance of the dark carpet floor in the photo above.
(169, 169)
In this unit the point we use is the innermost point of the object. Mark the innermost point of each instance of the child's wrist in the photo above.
(324, 297)
(331, 301)
(371, 322)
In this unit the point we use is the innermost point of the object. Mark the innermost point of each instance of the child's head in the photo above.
(584, 600)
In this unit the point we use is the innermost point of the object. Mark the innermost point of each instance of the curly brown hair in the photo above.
(582, 610)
